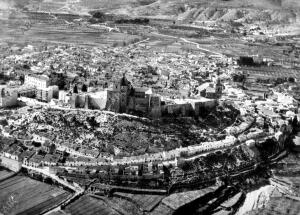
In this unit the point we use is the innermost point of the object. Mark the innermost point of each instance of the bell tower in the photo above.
(218, 87)
(125, 88)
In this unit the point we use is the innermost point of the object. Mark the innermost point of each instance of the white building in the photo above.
(39, 81)
(46, 94)
(64, 96)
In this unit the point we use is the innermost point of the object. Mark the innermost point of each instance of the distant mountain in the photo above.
(245, 11)
(268, 11)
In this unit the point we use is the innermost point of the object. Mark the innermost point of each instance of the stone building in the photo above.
(10, 159)
(8, 99)
(124, 98)
(211, 90)
(46, 94)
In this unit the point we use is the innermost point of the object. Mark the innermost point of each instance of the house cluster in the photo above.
(41, 152)
(35, 86)
(13, 155)
(43, 91)
(170, 75)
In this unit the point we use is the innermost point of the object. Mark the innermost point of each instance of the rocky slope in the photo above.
(260, 12)
(245, 11)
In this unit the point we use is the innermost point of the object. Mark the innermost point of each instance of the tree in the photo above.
(184, 165)
(84, 88)
(75, 89)
(291, 79)
(98, 15)
(295, 123)
(36, 144)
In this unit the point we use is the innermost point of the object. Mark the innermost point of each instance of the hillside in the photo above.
(189, 11)
(245, 11)
(273, 14)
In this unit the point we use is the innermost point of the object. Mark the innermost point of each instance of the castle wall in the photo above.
(204, 106)
(124, 96)
(72, 100)
(113, 101)
(155, 112)
(142, 104)
(178, 110)
(9, 101)
(98, 101)
(80, 101)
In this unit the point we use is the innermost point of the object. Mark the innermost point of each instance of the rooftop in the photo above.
(198, 99)
(42, 77)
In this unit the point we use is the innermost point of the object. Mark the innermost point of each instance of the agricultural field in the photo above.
(123, 206)
(177, 200)
(145, 202)
(93, 204)
(88, 205)
(22, 195)
(162, 209)
(47, 32)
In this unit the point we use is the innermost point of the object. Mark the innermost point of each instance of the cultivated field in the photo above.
(145, 202)
(271, 72)
(177, 200)
(22, 195)
(88, 205)
(93, 204)
(47, 32)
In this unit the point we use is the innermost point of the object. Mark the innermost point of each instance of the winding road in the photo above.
(202, 49)
(188, 41)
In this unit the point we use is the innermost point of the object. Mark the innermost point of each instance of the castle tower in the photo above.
(125, 88)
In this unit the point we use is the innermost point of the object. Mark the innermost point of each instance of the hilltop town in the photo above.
(118, 131)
